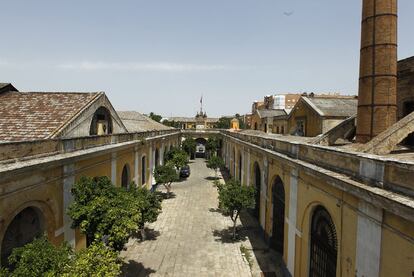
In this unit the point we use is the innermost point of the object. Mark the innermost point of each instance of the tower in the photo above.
(377, 95)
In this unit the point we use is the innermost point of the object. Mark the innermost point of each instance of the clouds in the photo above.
(156, 66)
(124, 66)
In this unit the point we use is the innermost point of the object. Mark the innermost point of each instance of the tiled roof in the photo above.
(38, 115)
(2, 85)
(333, 106)
(137, 122)
(270, 113)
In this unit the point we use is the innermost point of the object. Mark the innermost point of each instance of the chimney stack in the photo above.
(377, 95)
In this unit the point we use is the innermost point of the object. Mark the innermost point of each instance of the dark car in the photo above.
(185, 171)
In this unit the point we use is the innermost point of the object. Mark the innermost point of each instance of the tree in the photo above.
(165, 175)
(176, 157)
(215, 163)
(233, 198)
(39, 258)
(171, 123)
(42, 258)
(149, 205)
(189, 145)
(155, 117)
(224, 123)
(213, 144)
(103, 211)
(96, 260)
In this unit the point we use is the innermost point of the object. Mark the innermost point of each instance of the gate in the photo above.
(323, 250)
(278, 228)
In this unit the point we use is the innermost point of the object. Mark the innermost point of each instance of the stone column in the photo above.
(68, 182)
(113, 168)
(377, 96)
(136, 166)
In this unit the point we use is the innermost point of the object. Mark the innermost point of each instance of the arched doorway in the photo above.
(24, 228)
(126, 176)
(324, 245)
(257, 185)
(200, 147)
(278, 227)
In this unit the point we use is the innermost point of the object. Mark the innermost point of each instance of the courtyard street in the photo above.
(191, 238)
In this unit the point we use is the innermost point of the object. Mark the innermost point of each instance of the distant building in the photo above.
(200, 121)
(405, 91)
(281, 101)
(317, 114)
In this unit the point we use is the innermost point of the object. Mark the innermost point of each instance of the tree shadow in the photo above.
(212, 178)
(166, 195)
(226, 235)
(215, 210)
(133, 269)
(150, 234)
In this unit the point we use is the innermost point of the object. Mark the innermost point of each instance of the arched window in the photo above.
(25, 227)
(324, 245)
(101, 122)
(126, 176)
(283, 130)
(143, 170)
(278, 202)
(255, 125)
(257, 184)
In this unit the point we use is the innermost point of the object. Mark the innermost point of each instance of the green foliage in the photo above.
(172, 123)
(189, 145)
(165, 175)
(42, 258)
(103, 211)
(148, 204)
(213, 144)
(155, 117)
(215, 163)
(225, 122)
(39, 258)
(179, 159)
(96, 260)
(234, 197)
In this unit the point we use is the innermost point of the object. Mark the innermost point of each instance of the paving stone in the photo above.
(188, 244)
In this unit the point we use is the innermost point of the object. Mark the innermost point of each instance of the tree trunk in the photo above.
(143, 234)
(235, 225)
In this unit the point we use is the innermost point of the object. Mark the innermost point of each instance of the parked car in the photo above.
(185, 171)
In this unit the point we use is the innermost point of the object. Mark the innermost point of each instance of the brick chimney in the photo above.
(377, 95)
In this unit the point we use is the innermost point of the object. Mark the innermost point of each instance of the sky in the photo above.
(162, 55)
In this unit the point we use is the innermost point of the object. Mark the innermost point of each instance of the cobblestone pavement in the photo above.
(190, 238)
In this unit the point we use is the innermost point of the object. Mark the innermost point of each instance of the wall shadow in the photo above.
(134, 269)
(270, 262)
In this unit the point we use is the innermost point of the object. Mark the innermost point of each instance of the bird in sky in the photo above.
(288, 13)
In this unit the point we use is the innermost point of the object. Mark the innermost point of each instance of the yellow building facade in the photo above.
(35, 194)
(316, 217)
